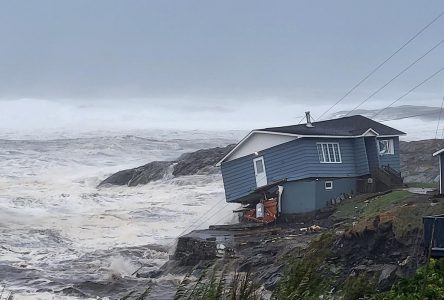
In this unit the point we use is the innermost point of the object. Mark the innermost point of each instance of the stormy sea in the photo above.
(61, 237)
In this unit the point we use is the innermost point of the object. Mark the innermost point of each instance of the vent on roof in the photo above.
(307, 115)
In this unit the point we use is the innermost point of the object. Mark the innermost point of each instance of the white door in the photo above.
(259, 171)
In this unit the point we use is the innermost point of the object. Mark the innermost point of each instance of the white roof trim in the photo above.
(299, 136)
(438, 152)
(392, 135)
(235, 148)
(369, 131)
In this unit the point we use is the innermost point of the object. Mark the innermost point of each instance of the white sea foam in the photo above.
(56, 226)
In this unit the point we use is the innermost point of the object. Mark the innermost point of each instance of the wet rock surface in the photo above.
(198, 162)
(417, 162)
(189, 250)
(376, 252)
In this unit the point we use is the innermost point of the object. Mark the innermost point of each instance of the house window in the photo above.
(386, 147)
(329, 153)
(329, 185)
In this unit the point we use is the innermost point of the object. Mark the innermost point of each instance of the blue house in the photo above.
(313, 164)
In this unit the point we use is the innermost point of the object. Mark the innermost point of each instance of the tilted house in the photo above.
(315, 163)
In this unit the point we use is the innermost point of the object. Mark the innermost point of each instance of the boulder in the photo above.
(198, 162)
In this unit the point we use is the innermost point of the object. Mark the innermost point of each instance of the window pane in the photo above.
(383, 146)
(390, 147)
(329, 185)
(337, 155)
(325, 150)
(321, 155)
(259, 166)
(331, 152)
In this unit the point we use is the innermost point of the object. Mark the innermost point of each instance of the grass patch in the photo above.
(359, 207)
(242, 287)
(404, 210)
(359, 287)
(427, 284)
(303, 279)
(423, 184)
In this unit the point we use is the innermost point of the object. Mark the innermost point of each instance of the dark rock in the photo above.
(141, 175)
(417, 162)
(199, 162)
(191, 250)
(387, 277)
(149, 274)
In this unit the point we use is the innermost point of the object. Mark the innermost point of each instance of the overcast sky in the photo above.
(207, 64)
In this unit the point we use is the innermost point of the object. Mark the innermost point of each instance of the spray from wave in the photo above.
(62, 238)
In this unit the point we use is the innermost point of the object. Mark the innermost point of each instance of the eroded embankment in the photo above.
(366, 245)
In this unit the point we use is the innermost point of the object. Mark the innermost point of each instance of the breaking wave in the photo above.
(61, 238)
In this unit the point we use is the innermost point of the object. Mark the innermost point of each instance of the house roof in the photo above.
(346, 126)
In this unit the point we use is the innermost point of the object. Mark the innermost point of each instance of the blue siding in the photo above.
(238, 177)
(298, 197)
(340, 186)
(299, 159)
(362, 167)
(372, 152)
(391, 160)
(304, 196)
(294, 160)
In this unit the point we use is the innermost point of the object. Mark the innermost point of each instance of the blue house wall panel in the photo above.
(371, 148)
(294, 160)
(238, 177)
(362, 167)
(299, 159)
(309, 195)
(298, 197)
(340, 186)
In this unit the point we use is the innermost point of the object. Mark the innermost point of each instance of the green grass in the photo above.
(427, 284)
(358, 207)
(423, 184)
(302, 278)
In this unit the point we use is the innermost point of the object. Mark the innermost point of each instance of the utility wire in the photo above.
(200, 218)
(396, 76)
(439, 120)
(383, 63)
(409, 91)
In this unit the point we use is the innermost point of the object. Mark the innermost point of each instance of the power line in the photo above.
(197, 220)
(383, 63)
(409, 91)
(439, 120)
(396, 76)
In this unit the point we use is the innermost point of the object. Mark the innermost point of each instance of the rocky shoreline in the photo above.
(417, 165)
(369, 238)
(352, 244)
(199, 162)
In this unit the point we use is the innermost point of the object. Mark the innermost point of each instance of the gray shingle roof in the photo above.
(346, 126)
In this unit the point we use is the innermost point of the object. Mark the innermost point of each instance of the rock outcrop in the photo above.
(417, 165)
(198, 162)
(417, 162)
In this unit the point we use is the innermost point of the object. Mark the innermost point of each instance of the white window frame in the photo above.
(326, 155)
(390, 147)
(329, 182)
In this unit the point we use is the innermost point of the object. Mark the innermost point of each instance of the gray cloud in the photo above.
(289, 50)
